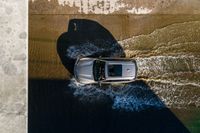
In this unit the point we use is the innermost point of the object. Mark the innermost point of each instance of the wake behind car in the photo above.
(105, 70)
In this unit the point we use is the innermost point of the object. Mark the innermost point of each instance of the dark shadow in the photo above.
(86, 38)
(53, 107)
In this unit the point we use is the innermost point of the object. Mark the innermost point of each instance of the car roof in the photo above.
(120, 70)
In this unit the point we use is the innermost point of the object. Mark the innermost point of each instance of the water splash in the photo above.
(82, 50)
(89, 49)
(168, 63)
(130, 97)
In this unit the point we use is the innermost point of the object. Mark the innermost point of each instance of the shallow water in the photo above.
(168, 60)
(166, 48)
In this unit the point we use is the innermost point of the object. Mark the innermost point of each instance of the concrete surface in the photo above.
(13, 66)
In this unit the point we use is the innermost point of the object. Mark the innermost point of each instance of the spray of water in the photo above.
(129, 97)
(88, 49)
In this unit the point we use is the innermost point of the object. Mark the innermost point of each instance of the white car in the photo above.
(105, 70)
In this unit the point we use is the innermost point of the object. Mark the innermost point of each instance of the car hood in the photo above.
(84, 70)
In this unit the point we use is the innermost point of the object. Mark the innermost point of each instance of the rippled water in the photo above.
(168, 62)
(175, 39)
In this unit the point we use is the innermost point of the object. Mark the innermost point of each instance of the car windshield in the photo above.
(99, 70)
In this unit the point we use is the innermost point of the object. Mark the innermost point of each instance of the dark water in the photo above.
(54, 108)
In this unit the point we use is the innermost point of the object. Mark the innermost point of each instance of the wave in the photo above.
(174, 39)
(158, 66)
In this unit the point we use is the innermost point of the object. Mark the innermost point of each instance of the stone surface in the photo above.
(13, 66)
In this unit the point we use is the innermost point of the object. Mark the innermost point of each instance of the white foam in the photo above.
(82, 50)
(87, 49)
(125, 97)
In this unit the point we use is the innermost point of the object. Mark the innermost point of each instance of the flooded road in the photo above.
(166, 48)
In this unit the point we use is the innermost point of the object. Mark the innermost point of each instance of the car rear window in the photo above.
(115, 70)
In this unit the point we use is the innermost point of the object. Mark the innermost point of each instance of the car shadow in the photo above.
(54, 107)
(65, 106)
(86, 38)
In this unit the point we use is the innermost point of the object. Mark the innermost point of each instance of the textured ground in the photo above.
(13, 66)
